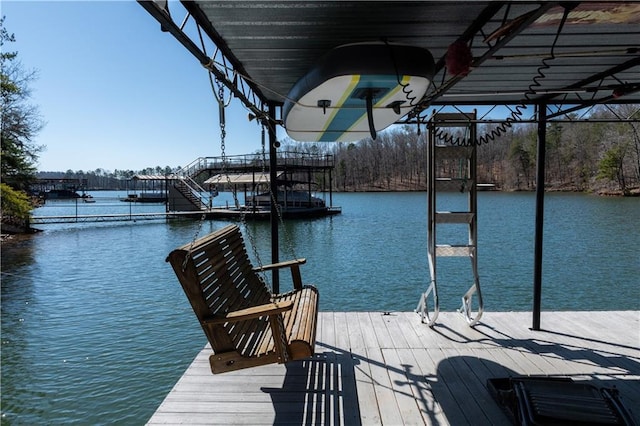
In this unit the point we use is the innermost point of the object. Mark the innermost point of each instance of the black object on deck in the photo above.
(558, 401)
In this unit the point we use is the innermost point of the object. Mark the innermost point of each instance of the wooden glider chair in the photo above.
(245, 324)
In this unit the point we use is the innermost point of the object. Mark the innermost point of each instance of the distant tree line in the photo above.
(100, 179)
(580, 156)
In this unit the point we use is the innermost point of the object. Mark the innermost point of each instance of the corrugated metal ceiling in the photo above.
(596, 58)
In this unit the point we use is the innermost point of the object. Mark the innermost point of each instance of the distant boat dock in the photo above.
(302, 182)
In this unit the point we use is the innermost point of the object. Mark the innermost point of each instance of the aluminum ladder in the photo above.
(451, 157)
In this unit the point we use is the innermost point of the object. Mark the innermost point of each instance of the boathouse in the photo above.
(301, 183)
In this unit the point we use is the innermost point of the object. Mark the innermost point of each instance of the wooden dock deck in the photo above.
(373, 368)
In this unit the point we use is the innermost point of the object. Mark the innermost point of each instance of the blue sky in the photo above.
(116, 92)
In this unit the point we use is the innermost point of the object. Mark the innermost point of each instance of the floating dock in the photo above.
(210, 214)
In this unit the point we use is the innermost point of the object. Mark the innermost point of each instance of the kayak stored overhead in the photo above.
(356, 90)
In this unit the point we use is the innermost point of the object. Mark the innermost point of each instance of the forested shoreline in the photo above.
(599, 157)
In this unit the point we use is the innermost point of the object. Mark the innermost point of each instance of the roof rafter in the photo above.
(472, 32)
(220, 64)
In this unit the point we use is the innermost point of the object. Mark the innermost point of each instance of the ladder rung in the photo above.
(452, 152)
(450, 184)
(458, 118)
(445, 250)
(454, 217)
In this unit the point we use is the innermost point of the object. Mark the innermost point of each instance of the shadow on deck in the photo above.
(372, 368)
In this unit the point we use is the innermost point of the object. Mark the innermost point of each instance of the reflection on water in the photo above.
(96, 329)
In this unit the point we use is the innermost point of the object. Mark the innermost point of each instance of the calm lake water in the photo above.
(96, 329)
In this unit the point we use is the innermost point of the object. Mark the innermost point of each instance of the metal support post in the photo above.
(540, 172)
(273, 189)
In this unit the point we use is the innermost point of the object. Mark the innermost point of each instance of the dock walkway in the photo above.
(214, 213)
(373, 368)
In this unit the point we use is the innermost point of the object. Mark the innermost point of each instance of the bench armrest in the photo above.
(293, 265)
(267, 309)
(280, 265)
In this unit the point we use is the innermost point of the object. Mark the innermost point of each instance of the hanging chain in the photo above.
(272, 185)
(223, 133)
(264, 152)
(287, 238)
(252, 240)
(223, 171)
(193, 241)
(283, 339)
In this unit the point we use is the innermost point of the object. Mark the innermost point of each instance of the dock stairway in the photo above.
(185, 194)
(452, 170)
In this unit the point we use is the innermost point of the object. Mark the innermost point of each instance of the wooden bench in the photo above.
(245, 324)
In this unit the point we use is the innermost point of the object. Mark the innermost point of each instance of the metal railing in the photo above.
(192, 189)
(256, 160)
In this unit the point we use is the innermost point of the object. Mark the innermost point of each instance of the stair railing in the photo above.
(192, 189)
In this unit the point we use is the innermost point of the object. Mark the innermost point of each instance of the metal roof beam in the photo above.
(213, 35)
(558, 113)
(627, 88)
(611, 72)
(489, 12)
(229, 76)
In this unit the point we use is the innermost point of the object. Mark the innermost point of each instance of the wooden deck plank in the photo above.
(367, 399)
(576, 327)
(350, 406)
(420, 386)
(326, 331)
(380, 329)
(375, 369)
(368, 333)
(400, 378)
(329, 382)
(579, 323)
(457, 332)
(341, 330)
(356, 339)
(390, 320)
(475, 374)
(385, 395)
(406, 320)
(447, 372)
(444, 401)
(425, 335)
